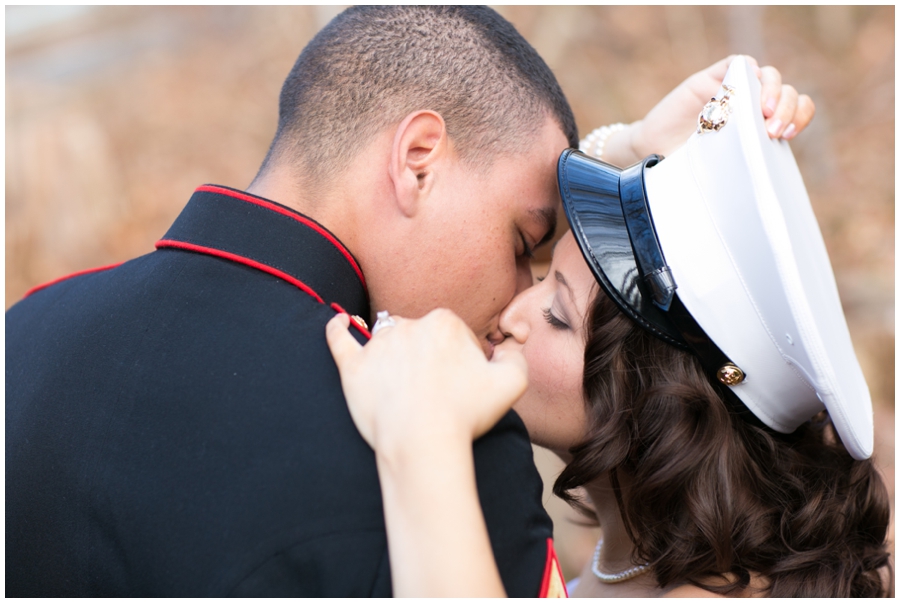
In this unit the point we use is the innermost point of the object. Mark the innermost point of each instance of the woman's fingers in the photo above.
(347, 353)
(784, 113)
(422, 379)
(770, 78)
(505, 381)
(341, 343)
(666, 127)
(511, 373)
(804, 113)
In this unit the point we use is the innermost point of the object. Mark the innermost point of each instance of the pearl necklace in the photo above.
(628, 574)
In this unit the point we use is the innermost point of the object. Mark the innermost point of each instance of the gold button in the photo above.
(359, 321)
(730, 374)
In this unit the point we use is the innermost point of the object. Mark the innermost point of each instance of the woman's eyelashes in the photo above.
(553, 321)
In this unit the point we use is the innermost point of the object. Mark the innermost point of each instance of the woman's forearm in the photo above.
(437, 537)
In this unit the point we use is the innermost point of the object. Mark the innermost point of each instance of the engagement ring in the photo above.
(383, 319)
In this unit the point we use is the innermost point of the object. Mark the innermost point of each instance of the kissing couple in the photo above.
(176, 425)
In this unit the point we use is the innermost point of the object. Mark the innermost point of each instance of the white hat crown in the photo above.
(732, 218)
(755, 273)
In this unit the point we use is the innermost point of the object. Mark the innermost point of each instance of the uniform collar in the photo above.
(270, 237)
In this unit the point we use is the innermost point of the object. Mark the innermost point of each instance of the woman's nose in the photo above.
(514, 318)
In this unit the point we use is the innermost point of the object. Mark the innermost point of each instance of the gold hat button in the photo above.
(729, 374)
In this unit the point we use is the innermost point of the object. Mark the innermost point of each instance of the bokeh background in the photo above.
(115, 114)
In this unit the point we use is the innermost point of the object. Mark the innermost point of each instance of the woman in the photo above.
(704, 480)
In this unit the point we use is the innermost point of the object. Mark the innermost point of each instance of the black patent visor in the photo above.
(608, 212)
(610, 218)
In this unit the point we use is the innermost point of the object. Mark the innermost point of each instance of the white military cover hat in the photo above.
(716, 249)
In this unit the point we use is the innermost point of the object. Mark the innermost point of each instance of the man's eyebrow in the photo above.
(547, 218)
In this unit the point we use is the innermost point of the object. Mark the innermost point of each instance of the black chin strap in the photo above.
(661, 286)
(711, 359)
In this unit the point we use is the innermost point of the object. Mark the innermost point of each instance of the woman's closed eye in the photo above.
(553, 320)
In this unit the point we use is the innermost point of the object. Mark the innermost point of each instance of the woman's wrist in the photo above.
(613, 144)
(409, 452)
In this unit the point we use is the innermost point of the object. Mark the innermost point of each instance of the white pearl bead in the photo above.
(595, 141)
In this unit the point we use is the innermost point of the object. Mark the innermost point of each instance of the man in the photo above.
(175, 424)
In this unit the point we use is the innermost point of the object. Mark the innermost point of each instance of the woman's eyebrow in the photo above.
(562, 281)
(553, 249)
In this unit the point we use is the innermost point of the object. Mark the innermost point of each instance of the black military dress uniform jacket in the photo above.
(175, 425)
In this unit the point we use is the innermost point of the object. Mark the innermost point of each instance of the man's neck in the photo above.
(290, 192)
(284, 190)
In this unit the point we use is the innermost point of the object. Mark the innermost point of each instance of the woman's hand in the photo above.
(671, 122)
(420, 392)
(423, 380)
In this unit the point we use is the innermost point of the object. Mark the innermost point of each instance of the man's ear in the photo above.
(420, 142)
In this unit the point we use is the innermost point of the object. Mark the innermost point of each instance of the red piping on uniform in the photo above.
(548, 572)
(207, 188)
(241, 260)
(68, 276)
(337, 308)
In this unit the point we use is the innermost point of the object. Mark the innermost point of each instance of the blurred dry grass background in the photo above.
(115, 114)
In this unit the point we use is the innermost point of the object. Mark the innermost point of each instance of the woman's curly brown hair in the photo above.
(711, 497)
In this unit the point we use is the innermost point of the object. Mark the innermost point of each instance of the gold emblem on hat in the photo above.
(729, 374)
(715, 114)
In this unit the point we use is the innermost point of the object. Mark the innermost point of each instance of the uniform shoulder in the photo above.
(510, 490)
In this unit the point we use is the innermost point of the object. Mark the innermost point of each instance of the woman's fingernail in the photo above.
(789, 132)
(341, 319)
(771, 104)
(774, 127)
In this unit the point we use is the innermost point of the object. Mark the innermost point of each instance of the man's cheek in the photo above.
(524, 276)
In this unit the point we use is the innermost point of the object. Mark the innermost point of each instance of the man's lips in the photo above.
(488, 348)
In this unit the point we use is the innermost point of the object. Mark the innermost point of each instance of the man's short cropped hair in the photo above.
(373, 65)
